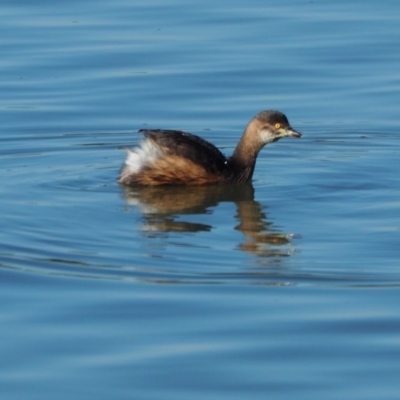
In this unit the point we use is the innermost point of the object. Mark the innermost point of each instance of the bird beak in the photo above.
(292, 133)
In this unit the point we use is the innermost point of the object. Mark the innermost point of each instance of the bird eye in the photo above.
(277, 125)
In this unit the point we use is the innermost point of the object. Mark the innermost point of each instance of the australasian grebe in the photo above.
(168, 157)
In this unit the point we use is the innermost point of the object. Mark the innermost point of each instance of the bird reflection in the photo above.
(161, 207)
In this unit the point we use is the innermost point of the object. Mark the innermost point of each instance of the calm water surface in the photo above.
(288, 287)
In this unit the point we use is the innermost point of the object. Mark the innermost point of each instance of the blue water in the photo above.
(285, 288)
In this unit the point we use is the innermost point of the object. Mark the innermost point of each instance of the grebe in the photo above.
(168, 157)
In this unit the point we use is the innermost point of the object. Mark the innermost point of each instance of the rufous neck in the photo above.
(245, 155)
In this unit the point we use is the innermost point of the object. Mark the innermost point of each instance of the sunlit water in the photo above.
(284, 288)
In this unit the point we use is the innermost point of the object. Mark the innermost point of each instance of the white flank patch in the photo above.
(147, 153)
